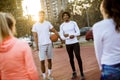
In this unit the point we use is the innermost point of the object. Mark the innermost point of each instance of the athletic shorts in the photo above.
(45, 51)
(110, 72)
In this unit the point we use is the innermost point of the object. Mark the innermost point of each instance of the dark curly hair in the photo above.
(66, 13)
(112, 8)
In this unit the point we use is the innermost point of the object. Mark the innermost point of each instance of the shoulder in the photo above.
(48, 22)
(100, 28)
(21, 44)
(62, 25)
(72, 21)
(18, 46)
(35, 24)
(98, 25)
(103, 23)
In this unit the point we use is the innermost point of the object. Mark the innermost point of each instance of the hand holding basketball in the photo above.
(54, 37)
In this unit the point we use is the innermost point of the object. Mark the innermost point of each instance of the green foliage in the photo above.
(95, 14)
(23, 24)
(76, 8)
(11, 6)
(83, 10)
(7, 5)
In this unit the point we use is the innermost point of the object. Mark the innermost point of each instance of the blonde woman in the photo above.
(16, 61)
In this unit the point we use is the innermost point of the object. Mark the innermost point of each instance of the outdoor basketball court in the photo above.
(61, 67)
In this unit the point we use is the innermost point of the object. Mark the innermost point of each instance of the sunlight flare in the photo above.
(31, 7)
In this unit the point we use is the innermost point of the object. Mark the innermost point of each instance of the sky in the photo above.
(31, 7)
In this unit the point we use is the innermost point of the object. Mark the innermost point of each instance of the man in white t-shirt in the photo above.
(41, 32)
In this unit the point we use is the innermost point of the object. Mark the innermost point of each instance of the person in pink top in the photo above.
(16, 60)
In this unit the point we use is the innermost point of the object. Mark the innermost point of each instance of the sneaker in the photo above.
(45, 79)
(74, 75)
(82, 77)
(50, 78)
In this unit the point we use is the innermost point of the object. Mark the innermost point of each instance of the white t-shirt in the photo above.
(43, 31)
(70, 28)
(106, 42)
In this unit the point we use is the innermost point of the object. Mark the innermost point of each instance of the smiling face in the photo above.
(66, 17)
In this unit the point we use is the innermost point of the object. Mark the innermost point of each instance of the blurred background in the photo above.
(84, 12)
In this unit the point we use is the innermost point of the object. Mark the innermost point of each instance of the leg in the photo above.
(49, 64)
(42, 56)
(43, 66)
(77, 54)
(71, 56)
(43, 69)
(50, 56)
(49, 68)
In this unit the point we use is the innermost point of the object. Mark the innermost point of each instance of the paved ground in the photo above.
(61, 66)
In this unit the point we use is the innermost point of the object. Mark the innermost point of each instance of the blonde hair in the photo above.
(5, 29)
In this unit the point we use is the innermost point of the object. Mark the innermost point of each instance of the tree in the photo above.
(23, 24)
(85, 12)
(11, 6)
(94, 12)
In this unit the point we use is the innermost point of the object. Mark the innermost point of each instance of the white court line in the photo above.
(90, 69)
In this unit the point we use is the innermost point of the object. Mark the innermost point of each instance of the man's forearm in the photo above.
(36, 42)
(53, 30)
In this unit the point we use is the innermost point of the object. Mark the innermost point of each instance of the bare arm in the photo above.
(36, 39)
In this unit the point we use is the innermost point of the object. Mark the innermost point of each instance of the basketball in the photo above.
(53, 37)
